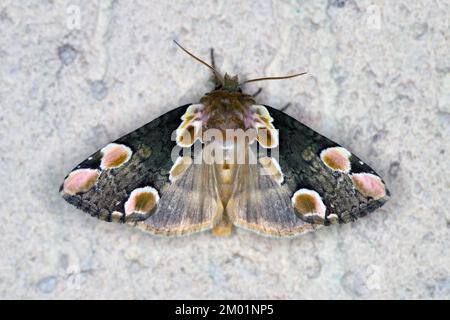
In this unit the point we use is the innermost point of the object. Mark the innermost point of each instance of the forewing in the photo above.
(322, 183)
(301, 157)
(128, 181)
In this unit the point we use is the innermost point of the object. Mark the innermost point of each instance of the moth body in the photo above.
(222, 162)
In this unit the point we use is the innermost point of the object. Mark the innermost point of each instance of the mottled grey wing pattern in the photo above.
(316, 183)
(188, 206)
(261, 204)
(300, 149)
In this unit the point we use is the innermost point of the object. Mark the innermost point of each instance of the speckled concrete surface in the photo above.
(378, 83)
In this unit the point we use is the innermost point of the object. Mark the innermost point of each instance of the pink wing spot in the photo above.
(188, 134)
(308, 203)
(80, 181)
(337, 159)
(267, 137)
(190, 129)
(262, 112)
(333, 218)
(260, 119)
(179, 167)
(114, 156)
(142, 200)
(116, 216)
(272, 168)
(369, 185)
(193, 111)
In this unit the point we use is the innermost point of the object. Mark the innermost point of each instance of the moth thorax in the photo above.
(226, 109)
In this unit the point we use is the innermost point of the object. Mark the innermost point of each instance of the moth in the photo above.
(222, 162)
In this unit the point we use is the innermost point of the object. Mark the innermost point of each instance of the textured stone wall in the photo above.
(75, 75)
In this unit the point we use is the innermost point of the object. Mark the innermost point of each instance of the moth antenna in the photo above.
(276, 78)
(201, 61)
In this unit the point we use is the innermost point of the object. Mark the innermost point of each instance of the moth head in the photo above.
(230, 83)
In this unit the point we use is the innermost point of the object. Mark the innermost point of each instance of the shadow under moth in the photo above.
(221, 162)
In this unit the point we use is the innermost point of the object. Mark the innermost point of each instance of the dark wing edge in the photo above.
(145, 172)
(261, 203)
(300, 159)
